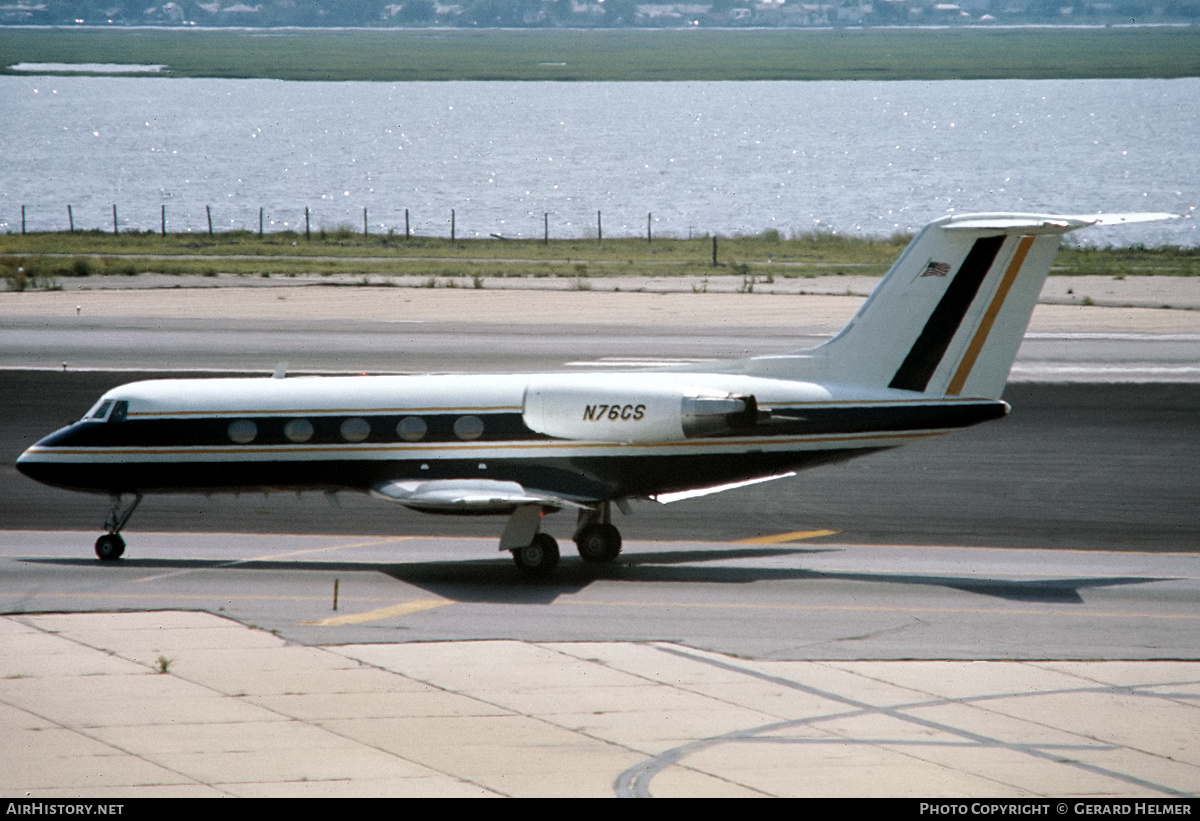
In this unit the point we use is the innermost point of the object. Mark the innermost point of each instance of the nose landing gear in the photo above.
(111, 546)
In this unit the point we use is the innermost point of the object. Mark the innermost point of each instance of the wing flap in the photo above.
(678, 496)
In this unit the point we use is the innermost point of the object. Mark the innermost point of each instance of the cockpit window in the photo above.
(108, 410)
(100, 412)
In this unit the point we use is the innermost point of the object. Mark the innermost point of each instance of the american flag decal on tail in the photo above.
(936, 269)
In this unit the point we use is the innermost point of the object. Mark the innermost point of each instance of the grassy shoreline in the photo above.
(38, 261)
(609, 55)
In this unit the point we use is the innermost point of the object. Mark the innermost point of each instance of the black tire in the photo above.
(539, 559)
(599, 543)
(110, 547)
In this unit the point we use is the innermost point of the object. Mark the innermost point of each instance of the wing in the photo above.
(469, 496)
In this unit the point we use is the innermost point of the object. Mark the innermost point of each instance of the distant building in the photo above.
(672, 11)
(23, 12)
(585, 13)
(445, 11)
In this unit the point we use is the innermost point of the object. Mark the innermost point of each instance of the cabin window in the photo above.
(412, 429)
(298, 430)
(242, 431)
(468, 427)
(355, 429)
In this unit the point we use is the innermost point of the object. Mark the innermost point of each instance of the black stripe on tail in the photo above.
(927, 352)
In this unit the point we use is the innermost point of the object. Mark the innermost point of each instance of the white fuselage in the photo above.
(590, 430)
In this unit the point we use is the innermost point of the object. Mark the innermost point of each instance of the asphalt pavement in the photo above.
(1005, 612)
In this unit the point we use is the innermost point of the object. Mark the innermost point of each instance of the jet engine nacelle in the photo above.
(645, 413)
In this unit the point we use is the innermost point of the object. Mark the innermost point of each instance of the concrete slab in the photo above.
(678, 782)
(509, 754)
(435, 786)
(509, 718)
(67, 762)
(1009, 770)
(320, 706)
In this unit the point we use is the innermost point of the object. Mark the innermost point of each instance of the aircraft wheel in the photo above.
(599, 543)
(539, 559)
(110, 547)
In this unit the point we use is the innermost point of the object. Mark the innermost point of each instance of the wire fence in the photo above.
(448, 227)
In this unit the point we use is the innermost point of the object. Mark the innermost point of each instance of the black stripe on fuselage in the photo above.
(213, 431)
(927, 352)
(810, 420)
(798, 420)
(580, 477)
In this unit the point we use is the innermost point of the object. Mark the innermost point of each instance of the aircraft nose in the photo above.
(25, 462)
(29, 457)
(34, 462)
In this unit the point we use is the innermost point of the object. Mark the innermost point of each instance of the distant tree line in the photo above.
(587, 13)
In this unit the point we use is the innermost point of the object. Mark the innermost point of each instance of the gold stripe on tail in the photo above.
(989, 318)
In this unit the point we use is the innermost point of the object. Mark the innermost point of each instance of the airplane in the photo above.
(927, 353)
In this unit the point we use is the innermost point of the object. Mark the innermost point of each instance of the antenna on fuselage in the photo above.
(280, 370)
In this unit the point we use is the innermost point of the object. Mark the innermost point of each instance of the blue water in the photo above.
(861, 157)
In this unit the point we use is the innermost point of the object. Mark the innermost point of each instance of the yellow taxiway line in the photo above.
(395, 610)
(793, 536)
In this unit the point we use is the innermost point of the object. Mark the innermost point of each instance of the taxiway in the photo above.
(1009, 610)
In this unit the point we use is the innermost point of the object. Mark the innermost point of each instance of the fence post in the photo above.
(649, 218)
(22, 219)
(164, 219)
(208, 211)
(599, 228)
(406, 224)
(307, 226)
(70, 218)
(546, 227)
(452, 225)
(364, 222)
(714, 263)
(260, 222)
(116, 230)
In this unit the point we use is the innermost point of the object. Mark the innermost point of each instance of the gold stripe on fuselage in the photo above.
(453, 448)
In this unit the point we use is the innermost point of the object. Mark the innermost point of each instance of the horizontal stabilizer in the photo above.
(1121, 219)
(1043, 224)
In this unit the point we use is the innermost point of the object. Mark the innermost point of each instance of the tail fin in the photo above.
(948, 318)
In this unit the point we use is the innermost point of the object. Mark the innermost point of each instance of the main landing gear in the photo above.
(538, 558)
(598, 543)
(111, 546)
(536, 553)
